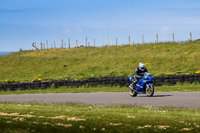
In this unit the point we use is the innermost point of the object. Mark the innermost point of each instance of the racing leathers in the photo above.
(139, 74)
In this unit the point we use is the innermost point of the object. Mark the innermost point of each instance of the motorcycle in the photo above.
(144, 85)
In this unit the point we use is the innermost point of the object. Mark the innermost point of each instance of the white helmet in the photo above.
(141, 66)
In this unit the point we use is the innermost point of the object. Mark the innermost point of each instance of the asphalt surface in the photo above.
(160, 99)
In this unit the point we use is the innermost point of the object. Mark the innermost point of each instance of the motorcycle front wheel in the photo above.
(132, 93)
(150, 91)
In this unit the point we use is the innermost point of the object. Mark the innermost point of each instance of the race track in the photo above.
(160, 99)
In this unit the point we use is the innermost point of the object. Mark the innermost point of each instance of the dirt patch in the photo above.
(162, 126)
(6, 114)
(75, 119)
(115, 124)
(58, 117)
(18, 119)
(16, 114)
(131, 116)
(148, 126)
(46, 123)
(64, 125)
(35, 122)
(81, 127)
(186, 129)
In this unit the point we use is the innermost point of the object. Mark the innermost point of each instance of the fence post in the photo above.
(68, 43)
(86, 42)
(35, 44)
(142, 39)
(47, 43)
(62, 43)
(133, 42)
(94, 42)
(51, 45)
(156, 38)
(32, 46)
(76, 43)
(41, 45)
(129, 40)
(191, 36)
(116, 41)
(173, 39)
(107, 41)
(111, 42)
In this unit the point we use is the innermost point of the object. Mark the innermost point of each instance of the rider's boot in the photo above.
(131, 86)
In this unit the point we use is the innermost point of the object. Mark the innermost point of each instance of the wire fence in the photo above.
(113, 42)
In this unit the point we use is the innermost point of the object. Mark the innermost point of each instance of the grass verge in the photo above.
(27, 118)
(80, 63)
(185, 87)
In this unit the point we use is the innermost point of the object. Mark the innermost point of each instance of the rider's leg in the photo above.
(135, 80)
(133, 84)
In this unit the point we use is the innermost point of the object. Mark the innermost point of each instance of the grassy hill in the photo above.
(104, 61)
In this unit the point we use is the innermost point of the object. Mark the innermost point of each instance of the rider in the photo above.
(139, 73)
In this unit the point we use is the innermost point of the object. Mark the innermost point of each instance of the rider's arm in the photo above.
(136, 74)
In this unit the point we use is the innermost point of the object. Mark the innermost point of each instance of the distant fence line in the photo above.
(102, 81)
(63, 44)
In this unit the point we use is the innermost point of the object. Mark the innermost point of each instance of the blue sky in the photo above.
(25, 21)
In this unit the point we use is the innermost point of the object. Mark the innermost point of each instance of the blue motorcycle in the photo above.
(144, 85)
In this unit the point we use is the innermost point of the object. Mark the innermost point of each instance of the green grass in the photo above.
(186, 87)
(104, 61)
(25, 118)
(180, 87)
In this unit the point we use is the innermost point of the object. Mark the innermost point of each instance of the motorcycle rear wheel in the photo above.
(150, 91)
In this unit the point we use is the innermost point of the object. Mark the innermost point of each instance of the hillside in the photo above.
(104, 61)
